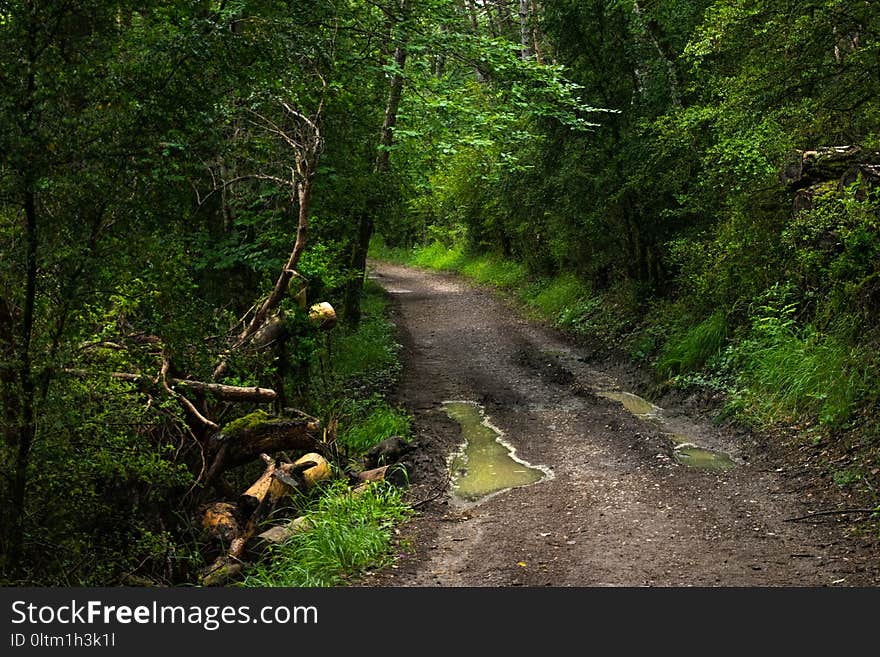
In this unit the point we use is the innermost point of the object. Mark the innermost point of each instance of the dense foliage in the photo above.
(152, 163)
(150, 178)
(690, 243)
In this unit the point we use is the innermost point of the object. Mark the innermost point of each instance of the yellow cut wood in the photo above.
(323, 316)
(318, 472)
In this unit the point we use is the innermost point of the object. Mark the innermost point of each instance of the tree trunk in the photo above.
(354, 287)
(536, 36)
(27, 428)
(506, 24)
(366, 224)
(658, 40)
(395, 94)
(525, 30)
(472, 14)
(8, 394)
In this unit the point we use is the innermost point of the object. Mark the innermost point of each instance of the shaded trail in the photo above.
(619, 510)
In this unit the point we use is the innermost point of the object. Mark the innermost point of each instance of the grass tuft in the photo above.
(692, 350)
(348, 534)
(792, 378)
(365, 423)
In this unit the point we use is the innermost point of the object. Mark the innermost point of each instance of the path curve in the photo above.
(619, 511)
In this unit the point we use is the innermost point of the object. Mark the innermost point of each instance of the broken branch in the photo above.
(220, 391)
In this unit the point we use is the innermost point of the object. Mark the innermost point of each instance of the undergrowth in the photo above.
(348, 534)
(349, 386)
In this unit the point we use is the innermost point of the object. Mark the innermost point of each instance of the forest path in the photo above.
(618, 509)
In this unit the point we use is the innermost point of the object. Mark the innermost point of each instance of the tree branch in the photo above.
(219, 390)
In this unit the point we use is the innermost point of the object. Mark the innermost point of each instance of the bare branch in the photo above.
(221, 391)
(186, 403)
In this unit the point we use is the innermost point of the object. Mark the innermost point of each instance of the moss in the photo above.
(249, 421)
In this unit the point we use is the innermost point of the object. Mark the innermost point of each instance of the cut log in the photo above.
(281, 533)
(245, 439)
(386, 451)
(318, 471)
(266, 491)
(376, 474)
(395, 473)
(219, 521)
(257, 502)
(279, 480)
(323, 316)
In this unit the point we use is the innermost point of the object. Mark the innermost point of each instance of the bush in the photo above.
(790, 374)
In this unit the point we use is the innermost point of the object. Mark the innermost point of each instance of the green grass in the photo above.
(556, 297)
(368, 422)
(348, 534)
(437, 256)
(792, 378)
(379, 250)
(693, 349)
(369, 350)
(489, 270)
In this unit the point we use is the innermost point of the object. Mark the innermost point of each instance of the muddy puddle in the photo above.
(684, 450)
(639, 407)
(486, 464)
(687, 453)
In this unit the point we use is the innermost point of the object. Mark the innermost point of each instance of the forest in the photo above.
(192, 192)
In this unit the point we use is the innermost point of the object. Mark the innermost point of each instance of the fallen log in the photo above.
(805, 168)
(376, 474)
(319, 470)
(265, 491)
(395, 473)
(243, 440)
(281, 533)
(220, 522)
(828, 170)
(280, 479)
(386, 452)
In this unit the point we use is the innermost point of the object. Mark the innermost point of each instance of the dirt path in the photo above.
(618, 510)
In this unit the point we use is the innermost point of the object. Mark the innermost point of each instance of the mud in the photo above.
(620, 510)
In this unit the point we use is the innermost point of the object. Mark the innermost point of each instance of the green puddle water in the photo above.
(698, 457)
(684, 452)
(633, 403)
(485, 465)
